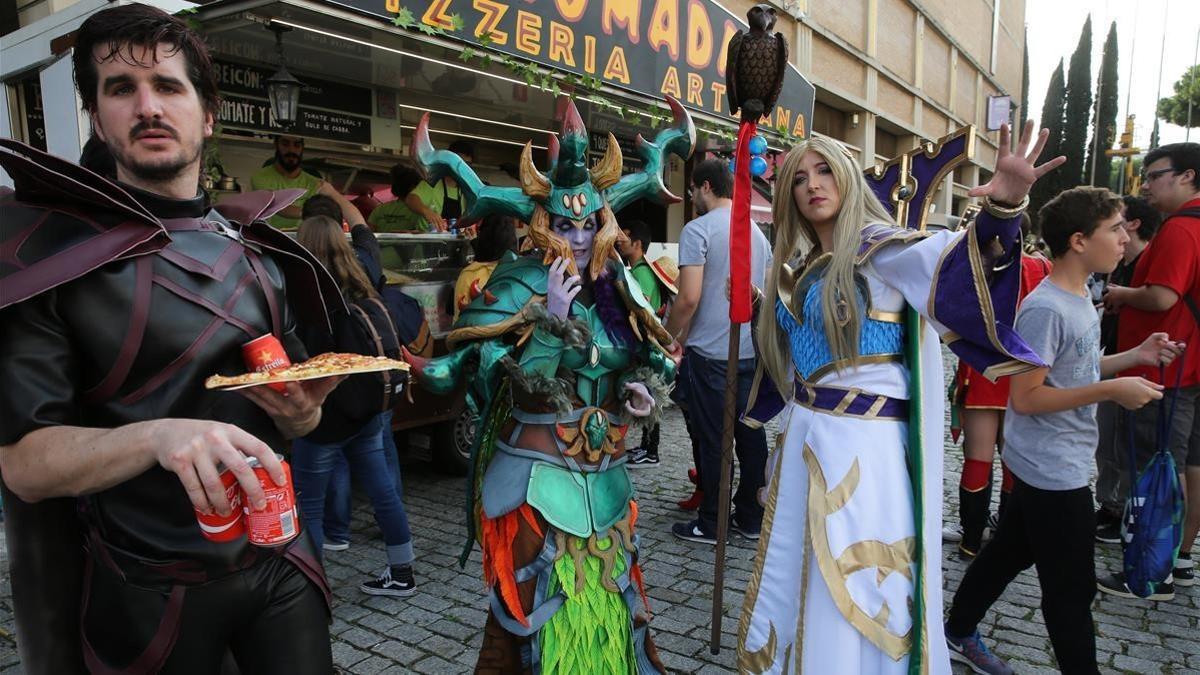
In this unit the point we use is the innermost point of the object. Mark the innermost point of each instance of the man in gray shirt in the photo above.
(1050, 435)
(700, 319)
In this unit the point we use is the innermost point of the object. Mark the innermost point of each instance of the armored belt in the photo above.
(850, 402)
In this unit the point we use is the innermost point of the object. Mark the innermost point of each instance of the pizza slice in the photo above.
(330, 364)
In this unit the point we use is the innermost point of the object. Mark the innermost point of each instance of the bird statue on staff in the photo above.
(755, 65)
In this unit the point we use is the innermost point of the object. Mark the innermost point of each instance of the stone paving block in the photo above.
(1127, 634)
(678, 662)
(399, 652)
(372, 666)
(441, 645)
(1039, 657)
(453, 630)
(1128, 663)
(435, 665)
(363, 639)
(1188, 644)
(1031, 668)
(345, 655)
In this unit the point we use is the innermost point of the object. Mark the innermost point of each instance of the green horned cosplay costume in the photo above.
(551, 503)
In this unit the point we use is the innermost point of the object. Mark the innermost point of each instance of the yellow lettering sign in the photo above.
(800, 130)
(783, 117)
(562, 44)
(529, 32)
(718, 90)
(491, 13)
(623, 13)
(670, 83)
(664, 27)
(392, 6)
(589, 54)
(436, 14)
(700, 36)
(730, 29)
(695, 89)
(571, 10)
(617, 68)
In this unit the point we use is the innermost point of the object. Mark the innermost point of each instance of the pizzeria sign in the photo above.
(652, 47)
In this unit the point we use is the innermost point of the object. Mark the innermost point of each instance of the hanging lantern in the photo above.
(282, 88)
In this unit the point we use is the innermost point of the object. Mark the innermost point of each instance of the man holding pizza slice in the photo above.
(118, 300)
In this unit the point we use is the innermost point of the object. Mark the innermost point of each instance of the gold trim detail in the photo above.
(887, 317)
(894, 557)
(805, 563)
(841, 364)
(491, 330)
(761, 659)
(1005, 212)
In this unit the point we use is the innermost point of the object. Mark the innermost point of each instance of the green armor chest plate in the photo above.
(596, 364)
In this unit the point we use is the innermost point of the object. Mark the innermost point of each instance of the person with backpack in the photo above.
(353, 423)
(1164, 295)
(1050, 437)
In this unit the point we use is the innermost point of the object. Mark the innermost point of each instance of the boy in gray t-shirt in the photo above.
(1050, 437)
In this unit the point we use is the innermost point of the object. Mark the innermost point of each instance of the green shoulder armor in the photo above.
(514, 282)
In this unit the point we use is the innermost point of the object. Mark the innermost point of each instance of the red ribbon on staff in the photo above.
(739, 229)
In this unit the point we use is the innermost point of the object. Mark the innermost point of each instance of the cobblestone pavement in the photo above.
(439, 629)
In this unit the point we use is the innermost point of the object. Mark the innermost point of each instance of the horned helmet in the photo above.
(569, 189)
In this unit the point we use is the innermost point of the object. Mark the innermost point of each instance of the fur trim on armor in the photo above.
(573, 332)
(659, 388)
(555, 390)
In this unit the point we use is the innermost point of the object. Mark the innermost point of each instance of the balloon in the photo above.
(758, 166)
(758, 145)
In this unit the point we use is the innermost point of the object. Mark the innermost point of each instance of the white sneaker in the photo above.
(951, 534)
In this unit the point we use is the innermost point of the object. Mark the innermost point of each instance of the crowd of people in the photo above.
(1075, 364)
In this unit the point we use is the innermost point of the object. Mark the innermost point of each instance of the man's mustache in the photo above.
(142, 127)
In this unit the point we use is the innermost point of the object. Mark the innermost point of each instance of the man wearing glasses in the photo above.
(1164, 295)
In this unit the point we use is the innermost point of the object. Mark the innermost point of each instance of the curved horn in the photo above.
(607, 171)
(679, 139)
(533, 183)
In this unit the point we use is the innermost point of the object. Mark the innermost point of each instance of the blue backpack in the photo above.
(1152, 528)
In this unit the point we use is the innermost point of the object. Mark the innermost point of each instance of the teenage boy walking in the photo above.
(1049, 438)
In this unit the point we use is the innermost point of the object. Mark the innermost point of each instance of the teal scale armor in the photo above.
(810, 347)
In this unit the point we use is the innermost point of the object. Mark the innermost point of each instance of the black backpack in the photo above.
(366, 329)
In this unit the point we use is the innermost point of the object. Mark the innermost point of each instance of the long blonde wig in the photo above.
(794, 235)
(604, 247)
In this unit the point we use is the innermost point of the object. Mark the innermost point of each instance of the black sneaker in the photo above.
(402, 585)
(692, 531)
(640, 459)
(1109, 533)
(1114, 584)
(752, 533)
(1185, 570)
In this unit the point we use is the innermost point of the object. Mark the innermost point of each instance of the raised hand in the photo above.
(1017, 170)
(561, 292)
(1158, 350)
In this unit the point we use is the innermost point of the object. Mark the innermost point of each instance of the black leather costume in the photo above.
(117, 304)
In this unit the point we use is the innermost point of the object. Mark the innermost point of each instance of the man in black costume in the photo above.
(118, 300)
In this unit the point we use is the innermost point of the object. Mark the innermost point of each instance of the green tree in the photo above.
(1104, 127)
(1052, 119)
(1174, 109)
(1079, 108)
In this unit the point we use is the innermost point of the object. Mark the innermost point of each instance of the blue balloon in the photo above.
(758, 145)
(758, 166)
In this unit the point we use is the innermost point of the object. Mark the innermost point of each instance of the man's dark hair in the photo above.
(116, 31)
(321, 205)
(638, 231)
(463, 148)
(716, 172)
(1079, 209)
(497, 235)
(275, 138)
(404, 179)
(1183, 156)
(1137, 208)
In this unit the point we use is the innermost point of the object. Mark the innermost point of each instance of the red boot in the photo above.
(692, 503)
(693, 477)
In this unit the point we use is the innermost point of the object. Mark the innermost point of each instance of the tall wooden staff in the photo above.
(754, 71)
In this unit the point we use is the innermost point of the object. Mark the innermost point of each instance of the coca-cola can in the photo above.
(264, 354)
(218, 528)
(277, 523)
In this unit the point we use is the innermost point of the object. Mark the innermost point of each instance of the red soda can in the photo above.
(265, 353)
(277, 523)
(218, 528)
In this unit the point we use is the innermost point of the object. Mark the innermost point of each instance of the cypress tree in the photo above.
(1052, 119)
(1104, 127)
(1025, 84)
(1079, 108)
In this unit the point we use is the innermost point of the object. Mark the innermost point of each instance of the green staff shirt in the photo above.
(268, 178)
(648, 282)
